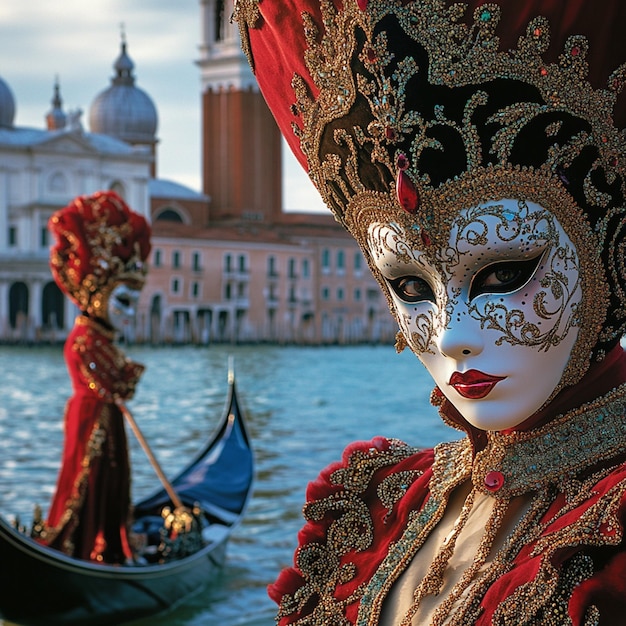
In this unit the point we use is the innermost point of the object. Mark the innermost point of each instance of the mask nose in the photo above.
(461, 338)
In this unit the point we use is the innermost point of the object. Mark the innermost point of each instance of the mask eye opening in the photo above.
(412, 289)
(503, 277)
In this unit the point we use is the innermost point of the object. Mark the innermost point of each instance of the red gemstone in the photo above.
(407, 193)
(494, 481)
(371, 55)
(402, 162)
(575, 51)
(537, 32)
(362, 4)
(425, 238)
(543, 71)
(390, 133)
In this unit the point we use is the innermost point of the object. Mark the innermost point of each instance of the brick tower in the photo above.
(241, 144)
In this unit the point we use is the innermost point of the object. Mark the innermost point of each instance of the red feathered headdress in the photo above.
(100, 242)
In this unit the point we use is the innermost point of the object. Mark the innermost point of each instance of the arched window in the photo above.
(52, 307)
(18, 303)
(169, 215)
(219, 20)
(292, 268)
(271, 267)
(358, 262)
(118, 188)
(325, 259)
(196, 262)
(155, 307)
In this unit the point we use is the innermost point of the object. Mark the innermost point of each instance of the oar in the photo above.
(146, 448)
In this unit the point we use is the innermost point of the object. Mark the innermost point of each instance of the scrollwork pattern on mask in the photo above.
(554, 303)
(532, 232)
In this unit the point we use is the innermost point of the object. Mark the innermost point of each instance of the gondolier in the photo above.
(99, 261)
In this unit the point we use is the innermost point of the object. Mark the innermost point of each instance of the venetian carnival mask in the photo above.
(495, 304)
(475, 153)
(121, 306)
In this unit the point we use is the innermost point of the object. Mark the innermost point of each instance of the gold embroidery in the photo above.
(103, 366)
(246, 14)
(71, 518)
(364, 120)
(557, 452)
(452, 466)
(392, 489)
(101, 239)
(544, 462)
(351, 529)
(526, 531)
(458, 56)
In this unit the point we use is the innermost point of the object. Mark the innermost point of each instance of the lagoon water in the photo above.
(303, 405)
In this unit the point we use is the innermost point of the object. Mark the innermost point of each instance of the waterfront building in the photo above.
(41, 170)
(228, 264)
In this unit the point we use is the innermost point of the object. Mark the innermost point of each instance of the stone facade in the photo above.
(40, 172)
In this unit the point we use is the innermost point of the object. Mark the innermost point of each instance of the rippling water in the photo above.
(303, 405)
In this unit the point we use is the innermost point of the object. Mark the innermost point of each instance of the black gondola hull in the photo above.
(41, 589)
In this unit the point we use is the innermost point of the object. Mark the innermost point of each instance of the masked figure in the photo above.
(475, 153)
(98, 260)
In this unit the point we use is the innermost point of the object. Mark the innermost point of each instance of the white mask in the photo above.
(122, 306)
(493, 315)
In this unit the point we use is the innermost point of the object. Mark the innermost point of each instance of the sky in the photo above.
(78, 41)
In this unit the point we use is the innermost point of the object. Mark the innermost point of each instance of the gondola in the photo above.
(41, 586)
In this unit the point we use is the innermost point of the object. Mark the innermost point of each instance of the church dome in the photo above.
(123, 110)
(7, 106)
(56, 119)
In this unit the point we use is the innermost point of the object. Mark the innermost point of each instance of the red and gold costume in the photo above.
(410, 115)
(546, 547)
(100, 243)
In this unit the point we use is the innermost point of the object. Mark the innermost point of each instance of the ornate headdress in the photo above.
(100, 243)
(410, 110)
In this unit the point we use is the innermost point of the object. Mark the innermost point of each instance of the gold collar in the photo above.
(519, 462)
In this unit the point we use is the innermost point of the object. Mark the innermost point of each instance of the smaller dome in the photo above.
(7, 106)
(124, 110)
(56, 119)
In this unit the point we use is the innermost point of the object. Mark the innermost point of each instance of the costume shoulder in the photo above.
(354, 509)
(97, 366)
(598, 523)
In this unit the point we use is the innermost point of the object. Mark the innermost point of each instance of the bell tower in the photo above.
(241, 143)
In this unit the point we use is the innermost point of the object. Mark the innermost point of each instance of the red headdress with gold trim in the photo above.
(409, 110)
(100, 242)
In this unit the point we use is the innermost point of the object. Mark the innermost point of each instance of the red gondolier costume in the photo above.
(100, 244)
(437, 132)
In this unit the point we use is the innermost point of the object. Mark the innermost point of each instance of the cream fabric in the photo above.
(400, 597)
